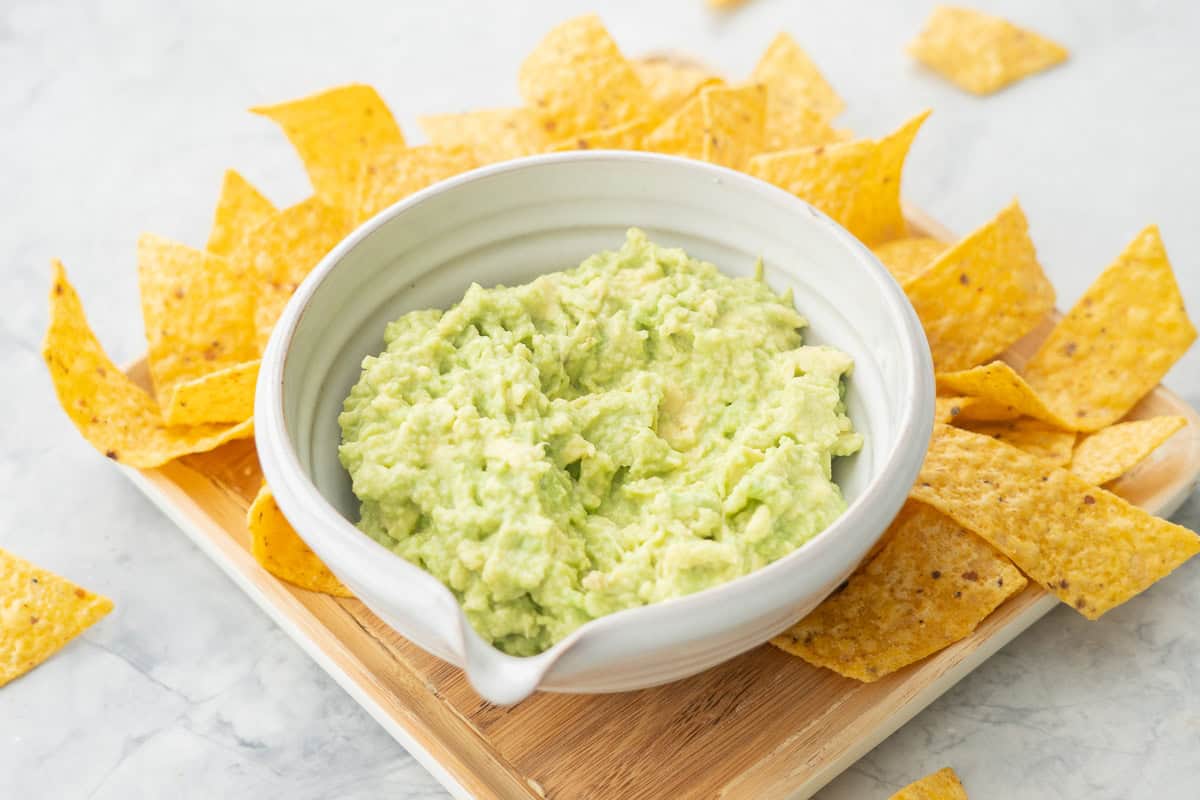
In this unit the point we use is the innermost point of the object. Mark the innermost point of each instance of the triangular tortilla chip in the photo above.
(492, 135)
(671, 82)
(941, 785)
(856, 183)
(240, 209)
(1111, 452)
(39, 613)
(115, 415)
(392, 175)
(907, 258)
(982, 53)
(930, 585)
(1086, 545)
(982, 294)
(733, 123)
(1049, 443)
(223, 396)
(624, 137)
(198, 310)
(1118, 341)
(576, 80)
(284, 250)
(682, 133)
(793, 82)
(999, 383)
(336, 132)
(283, 553)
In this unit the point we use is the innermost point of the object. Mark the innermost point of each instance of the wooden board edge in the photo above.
(286, 619)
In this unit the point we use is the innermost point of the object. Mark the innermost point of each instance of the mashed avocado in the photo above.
(628, 431)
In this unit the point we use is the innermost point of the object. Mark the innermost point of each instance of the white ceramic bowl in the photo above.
(507, 224)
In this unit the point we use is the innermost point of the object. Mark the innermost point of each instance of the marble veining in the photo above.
(119, 117)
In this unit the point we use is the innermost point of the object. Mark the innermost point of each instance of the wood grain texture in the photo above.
(765, 725)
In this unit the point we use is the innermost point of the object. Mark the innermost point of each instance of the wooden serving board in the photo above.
(765, 725)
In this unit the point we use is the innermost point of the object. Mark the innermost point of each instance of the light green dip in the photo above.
(632, 430)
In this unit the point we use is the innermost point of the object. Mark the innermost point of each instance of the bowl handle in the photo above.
(498, 677)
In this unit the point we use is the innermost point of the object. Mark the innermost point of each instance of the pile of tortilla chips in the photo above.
(1012, 487)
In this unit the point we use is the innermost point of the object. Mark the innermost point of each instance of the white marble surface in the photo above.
(118, 117)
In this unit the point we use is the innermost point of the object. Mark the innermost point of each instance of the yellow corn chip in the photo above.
(1118, 341)
(493, 135)
(671, 82)
(1111, 452)
(336, 132)
(877, 215)
(982, 294)
(793, 81)
(283, 251)
(39, 613)
(682, 133)
(907, 258)
(115, 415)
(1088, 546)
(999, 383)
(240, 209)
(1052, 445)
(931, 585)
(982, 53)
(941, 785)
(576, 80)
(624, 137)
(856, 183)
(733, 123)
(794, 127)
(283, 553)
(960, 409)
(223, 396)
(198, 312)
(392, 176)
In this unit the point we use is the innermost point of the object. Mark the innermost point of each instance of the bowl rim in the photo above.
(296, 493)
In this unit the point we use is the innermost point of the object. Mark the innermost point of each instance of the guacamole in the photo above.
(631, 430)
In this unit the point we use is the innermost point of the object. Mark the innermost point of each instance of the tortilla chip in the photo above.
(39, 613)
(114, 414)
(624, 137)
(961, 409)
(930, 585)
(240, 209)
(982, 294)
(284, 250)
(981, 53)
(576, 80)
(856, 183)
(878, 216)
(671, 82)
(1118, 341)
(197, 309)
(941, 785)
(793, 82)
(733, 123)
(682, 133)
(909, 257)
(336, 132)
(223, 396)
(1000, 384)
(1052, 445)
(1084, 544)
(283, 553)
(1111, 452)
(493, 135)
(393, 175)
